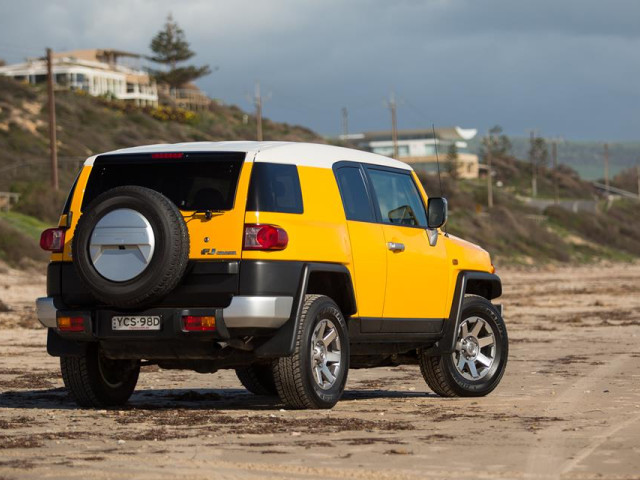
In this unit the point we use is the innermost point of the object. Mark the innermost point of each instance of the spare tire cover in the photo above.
(131, 246)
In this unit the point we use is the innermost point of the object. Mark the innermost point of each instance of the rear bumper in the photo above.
(243, 312)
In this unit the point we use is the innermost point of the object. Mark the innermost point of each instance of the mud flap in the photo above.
(61, 347)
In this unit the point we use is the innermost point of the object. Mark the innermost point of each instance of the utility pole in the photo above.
(534, 170)
(345, 124)
(638, 178)
(53, 147)
(554, 154)
(258, 104)
(606, 166)
(489, 176)
(394, 124)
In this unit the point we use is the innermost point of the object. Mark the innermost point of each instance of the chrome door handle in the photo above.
(395, 247)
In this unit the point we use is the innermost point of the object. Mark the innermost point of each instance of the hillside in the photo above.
(512, 230)
(88, 125)
(516, 232)
(586, 157)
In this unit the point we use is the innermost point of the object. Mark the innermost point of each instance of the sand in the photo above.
(568, 405)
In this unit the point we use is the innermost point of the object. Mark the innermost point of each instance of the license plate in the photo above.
(135, 322)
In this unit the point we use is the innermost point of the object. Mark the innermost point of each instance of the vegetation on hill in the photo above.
(515, 232)
(628, 180)
(87, 126)
(511, 230)
(586, 157)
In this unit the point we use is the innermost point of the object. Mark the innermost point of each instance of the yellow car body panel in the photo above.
(417, 277)
(369, 267)
(319, 234)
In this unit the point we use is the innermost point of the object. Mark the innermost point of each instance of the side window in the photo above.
(274, 188)
(398, 198)
(354, 195)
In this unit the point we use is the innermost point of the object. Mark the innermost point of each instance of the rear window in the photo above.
(274, 188)
(355, 198)
(197, 181)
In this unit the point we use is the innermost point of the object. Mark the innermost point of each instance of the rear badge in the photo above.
(213, 251)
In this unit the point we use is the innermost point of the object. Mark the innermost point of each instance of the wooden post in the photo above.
(345, 124)
(534, 167)
(489, 177)
(554, 154)
(606, 166)
(53, 147)
(258, 103)
(394, 125)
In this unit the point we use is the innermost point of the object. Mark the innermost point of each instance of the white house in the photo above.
(418, 147)
(97, 72)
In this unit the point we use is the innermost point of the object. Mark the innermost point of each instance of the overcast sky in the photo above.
(567, 67)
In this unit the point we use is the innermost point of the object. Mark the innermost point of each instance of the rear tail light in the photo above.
(71, 324)
(52, 240)
(265, 237)
(191, 323)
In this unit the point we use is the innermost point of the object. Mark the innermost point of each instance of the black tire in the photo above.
(294, 375)
(258, 379)
(441, 371)
(99, 382)
(170, 257)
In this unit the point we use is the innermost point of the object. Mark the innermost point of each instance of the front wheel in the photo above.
(94, 380)
(315, 375)
(478, 362)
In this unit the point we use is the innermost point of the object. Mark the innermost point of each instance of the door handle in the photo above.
(395, 246)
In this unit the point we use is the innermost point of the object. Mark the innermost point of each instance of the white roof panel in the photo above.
(304, 154)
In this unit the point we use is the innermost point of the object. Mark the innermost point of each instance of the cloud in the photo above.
(566, 67)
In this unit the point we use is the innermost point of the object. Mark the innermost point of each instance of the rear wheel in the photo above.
(315, 375)
(478, 362)
(258, 379)
(96, 381)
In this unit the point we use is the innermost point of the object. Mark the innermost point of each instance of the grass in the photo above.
(30, 226)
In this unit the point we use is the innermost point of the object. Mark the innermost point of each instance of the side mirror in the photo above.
(436, 212)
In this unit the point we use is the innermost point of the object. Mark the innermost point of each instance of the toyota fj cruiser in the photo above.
(288, 262)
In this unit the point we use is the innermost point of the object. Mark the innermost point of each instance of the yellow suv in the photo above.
(288, 262)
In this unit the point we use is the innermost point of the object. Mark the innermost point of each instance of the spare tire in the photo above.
(131, 246)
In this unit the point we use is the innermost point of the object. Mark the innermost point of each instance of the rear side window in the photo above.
(355, 198)
(274, 188)
(194, 182)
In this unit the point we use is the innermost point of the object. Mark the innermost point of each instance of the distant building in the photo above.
(418, 147)
(189, 97)
(97, 72)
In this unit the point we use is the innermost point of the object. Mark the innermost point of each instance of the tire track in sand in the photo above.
(549, 458)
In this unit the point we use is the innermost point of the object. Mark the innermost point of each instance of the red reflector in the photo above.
(265, 237)
(52, 240)
(167, 155)
(193, 323)
(71, 324)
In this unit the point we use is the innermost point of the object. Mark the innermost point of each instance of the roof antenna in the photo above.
(435, 143)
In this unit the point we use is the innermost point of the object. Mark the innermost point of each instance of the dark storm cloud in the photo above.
(567, 67)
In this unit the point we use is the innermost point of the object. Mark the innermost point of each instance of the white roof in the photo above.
(305, 154)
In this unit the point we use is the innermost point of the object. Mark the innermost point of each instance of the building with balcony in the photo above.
(99, 72)
(418, 148)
